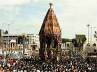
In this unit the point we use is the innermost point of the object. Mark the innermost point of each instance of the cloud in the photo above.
(16, 2)
(12, 8)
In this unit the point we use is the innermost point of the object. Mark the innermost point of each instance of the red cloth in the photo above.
(10, 61)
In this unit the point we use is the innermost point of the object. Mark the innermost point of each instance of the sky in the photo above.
(26, 16)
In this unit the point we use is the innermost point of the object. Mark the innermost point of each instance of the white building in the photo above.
(34, 44)
(34, 41)
(89, 48)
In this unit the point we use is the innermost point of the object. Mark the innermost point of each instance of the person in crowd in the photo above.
(32, 65)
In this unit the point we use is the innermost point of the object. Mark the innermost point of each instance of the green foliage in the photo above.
(79, 40)
(95, 35)
(74, 41)
(6, 32)
(22, 39)
(64, 40)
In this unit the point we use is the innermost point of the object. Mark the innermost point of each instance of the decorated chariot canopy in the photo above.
(49, 35)
(50, 24)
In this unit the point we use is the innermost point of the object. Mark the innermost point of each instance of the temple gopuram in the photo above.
(50, 37)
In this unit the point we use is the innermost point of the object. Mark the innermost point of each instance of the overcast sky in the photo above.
(26, 16)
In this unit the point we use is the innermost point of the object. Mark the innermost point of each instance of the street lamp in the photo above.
(10, 50)
(91, 33)
(88, 31)
(2, 42)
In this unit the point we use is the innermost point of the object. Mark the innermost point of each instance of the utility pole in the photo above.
(88, 31)
(24, 39)
(91, 33)
(1, 39)
(9, 39)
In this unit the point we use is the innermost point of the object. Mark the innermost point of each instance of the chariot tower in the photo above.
(50, 36)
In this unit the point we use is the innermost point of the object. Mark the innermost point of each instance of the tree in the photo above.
(79, 41)
(22, 40)
(6, 32)
(64, 40)
(95, 35)
(74, 41)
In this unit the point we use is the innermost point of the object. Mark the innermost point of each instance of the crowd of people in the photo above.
(32, 65)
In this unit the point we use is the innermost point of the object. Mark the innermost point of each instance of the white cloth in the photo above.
(14, 70)
(38, 70)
